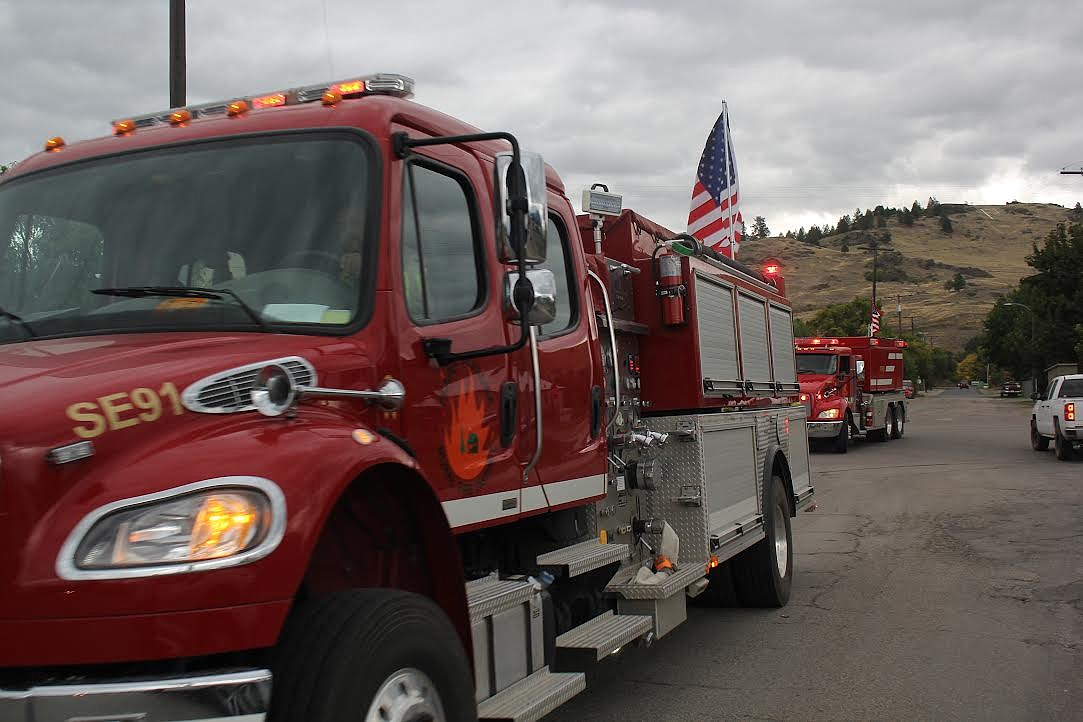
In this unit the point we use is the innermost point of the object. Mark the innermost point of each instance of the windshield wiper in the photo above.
(4, 313)
(185, 292)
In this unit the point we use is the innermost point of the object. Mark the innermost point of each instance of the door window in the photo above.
(559, 261)
(441, 258)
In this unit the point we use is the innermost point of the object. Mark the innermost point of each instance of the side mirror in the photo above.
(1036, 396)
(537, 211)
(544, 308)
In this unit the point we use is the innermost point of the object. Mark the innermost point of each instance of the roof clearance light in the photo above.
(269, 101)
(771, 270)
(54, 143)
(331, 97)
(179, 117)
(123, 127)
(816, 342)
(350, 87)
(237, 107)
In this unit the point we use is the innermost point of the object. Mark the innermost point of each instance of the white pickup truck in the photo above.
(1058, 415)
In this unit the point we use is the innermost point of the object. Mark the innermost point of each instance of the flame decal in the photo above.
(466, 441)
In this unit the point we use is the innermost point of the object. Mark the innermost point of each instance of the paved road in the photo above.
(940, 578)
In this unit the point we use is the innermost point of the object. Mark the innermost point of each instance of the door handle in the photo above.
(509, 412)
(595, 411)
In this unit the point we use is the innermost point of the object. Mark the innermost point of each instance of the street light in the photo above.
(1030, 311)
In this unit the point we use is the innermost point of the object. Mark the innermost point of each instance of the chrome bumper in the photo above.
(823, 429)
(236, 696)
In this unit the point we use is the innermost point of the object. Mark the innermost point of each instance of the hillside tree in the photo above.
(1043, 328)
(759, 227)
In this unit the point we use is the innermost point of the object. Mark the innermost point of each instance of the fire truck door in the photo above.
(573, 461)
(449, 293)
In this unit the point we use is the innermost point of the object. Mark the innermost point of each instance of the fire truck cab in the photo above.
(324, 404)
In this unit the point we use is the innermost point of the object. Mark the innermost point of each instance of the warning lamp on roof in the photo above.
(54, 143)
(237, 107)
(180, 117)
(349, 88)
(331, 97)
(269, 101)
(772, 273)
(123, 127)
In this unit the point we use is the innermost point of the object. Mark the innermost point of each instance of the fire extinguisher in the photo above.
(671, 289)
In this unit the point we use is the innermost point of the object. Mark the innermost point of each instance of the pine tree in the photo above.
(801, 235)
(844, 224)
(907, 217)
(759, 227)
(916, 209)
(945, 223)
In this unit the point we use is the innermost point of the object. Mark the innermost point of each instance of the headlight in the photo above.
(828, 414)
(205, 525)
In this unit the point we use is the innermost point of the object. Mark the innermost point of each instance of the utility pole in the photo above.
(898, 310)
(177, 66)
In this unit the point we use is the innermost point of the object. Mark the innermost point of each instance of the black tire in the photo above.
(842, 442)
(1061, 446)
(1037, 441)
(756, 575)
(337, 652)
(899, 427)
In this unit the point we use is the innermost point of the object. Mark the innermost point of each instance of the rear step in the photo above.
(623, 585)
(595, 640)
(534, 697)
(491, 595)
(582, 558)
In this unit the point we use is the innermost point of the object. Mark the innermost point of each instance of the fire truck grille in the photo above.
(231, 391)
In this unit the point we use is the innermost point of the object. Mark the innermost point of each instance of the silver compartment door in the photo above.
(797, 451)
(717, 332)
(729, 466)
(782, 357)
(755, 358)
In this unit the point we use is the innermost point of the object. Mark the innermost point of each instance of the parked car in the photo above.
(1011, 388)
(908, 388)
(964, 384)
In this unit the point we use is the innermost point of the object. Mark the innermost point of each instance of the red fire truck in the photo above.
(852, 386)
(326, 389)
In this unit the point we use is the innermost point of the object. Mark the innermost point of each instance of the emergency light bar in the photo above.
(392, 84)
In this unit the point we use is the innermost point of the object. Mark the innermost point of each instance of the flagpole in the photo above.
(726, 179)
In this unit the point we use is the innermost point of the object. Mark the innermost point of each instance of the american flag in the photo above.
(715, 215)
(874, 323)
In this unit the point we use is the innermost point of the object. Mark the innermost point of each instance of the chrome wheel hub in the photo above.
(408, 695)
(782, 546)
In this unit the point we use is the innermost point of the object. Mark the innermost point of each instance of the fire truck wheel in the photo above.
(899, 417)
(1037, 441)
(371, 654)
(762, 574)
(842, 442)
(1061, 446)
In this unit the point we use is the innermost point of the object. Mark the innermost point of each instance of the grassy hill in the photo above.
(988, 246)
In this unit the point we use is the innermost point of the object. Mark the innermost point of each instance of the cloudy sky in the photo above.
(833, 105)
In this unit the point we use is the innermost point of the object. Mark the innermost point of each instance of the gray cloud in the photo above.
(833, 105)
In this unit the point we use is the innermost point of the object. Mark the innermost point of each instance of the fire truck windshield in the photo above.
(823, 364)
(283, 226)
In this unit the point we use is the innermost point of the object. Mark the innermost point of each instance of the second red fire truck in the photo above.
(322, 404)
(852, 386)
